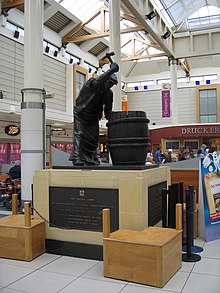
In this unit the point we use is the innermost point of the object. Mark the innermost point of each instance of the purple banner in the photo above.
(165, 103)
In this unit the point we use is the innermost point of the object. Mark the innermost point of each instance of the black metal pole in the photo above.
(189, 256)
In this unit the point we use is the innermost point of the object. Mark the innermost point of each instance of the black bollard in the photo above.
(195, 249)
(189, 256)
(164, 207)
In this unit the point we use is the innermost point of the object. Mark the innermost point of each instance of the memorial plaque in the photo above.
(155, 203)
(81, 208)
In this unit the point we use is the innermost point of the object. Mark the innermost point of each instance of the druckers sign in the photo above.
(200, 130)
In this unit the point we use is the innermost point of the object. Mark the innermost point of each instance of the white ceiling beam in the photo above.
(189, 45)
(154, 32)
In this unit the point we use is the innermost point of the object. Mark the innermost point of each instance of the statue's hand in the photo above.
(114, 66)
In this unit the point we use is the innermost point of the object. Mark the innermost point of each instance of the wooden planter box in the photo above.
(151, 256)
(20, 242)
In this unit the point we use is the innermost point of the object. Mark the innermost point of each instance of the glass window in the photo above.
(133, 84)
(147, 82)
(161, 81)
(193, 144)
(172, 144)
(208, 106)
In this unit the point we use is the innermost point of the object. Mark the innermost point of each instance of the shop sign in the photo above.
(12, 130)
(200, 130)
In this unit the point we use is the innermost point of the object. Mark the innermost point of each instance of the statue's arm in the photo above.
(103, 77)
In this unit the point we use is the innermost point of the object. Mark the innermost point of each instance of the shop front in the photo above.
(193, 136)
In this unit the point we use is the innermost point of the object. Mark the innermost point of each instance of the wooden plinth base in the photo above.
(20, 242)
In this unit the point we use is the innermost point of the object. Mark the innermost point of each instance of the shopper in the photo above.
(15, 171)
(158, 159)
(187, 154)
(168, 158)
(201, 151)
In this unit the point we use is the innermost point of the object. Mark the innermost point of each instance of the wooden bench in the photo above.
(151, 256)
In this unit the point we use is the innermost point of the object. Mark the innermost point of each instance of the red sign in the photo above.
(3, 153)
(15, 151)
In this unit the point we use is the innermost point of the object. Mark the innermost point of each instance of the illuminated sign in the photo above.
(12, 130)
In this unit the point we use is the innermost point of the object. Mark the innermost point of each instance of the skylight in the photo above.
(189, 14)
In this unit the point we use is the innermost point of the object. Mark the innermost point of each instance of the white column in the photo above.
(173, 93)
(32, 106)
(115, 46)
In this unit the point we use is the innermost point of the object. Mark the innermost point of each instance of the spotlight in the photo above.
(136, 88)
(55, 53)
(90, 70)
(145, 87)
(16, 34)
(165, 36)
(78, 63)
(71, 60)
(150, 15)
(47, 49)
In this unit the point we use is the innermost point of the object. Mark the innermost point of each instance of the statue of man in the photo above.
(95, 97)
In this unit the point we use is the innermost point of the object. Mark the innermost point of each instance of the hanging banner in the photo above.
(210, 177)
(15, 152)
(165, 103)
(3, 153)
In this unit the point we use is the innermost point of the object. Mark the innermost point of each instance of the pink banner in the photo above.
(165, 103)
(3, 153)
(15, 151)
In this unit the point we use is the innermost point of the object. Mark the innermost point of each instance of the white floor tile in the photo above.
(133, 288)
(42, 282)
(82, 285)
(36, 263)
(213, 243)
(7, 290)
(177, 282)
(187, 266)
(199, 283)
(207, 266)
(211, 252)
(96, 273)
(70, 265)
(9, 274)
(199, 242)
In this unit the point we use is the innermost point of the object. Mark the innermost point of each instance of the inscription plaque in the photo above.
(81, 208)
(155, 203)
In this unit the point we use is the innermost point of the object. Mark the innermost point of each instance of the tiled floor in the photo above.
(55, 273)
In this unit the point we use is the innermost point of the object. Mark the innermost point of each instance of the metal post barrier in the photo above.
(189, 256)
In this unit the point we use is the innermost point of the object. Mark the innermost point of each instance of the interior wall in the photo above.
(150, 102)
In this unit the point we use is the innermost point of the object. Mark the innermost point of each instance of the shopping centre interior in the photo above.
(164, 48)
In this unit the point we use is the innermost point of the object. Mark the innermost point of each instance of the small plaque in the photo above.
(81, 208)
